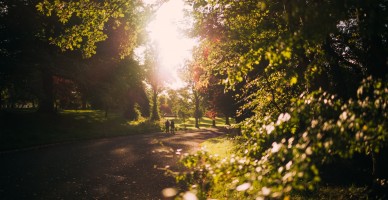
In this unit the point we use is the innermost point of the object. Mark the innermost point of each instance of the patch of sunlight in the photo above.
(137, 122)
(120, 151)
(155, 141)
(219, 147)
(163, 150)
(78, 111)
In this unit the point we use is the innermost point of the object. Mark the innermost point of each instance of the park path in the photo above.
(128, 167)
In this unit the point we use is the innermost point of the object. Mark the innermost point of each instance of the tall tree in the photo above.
(190, 74)
(154, 79)
(297, 65)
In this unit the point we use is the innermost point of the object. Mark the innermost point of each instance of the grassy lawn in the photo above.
(26, 129)
(222, 147)
(189, 123)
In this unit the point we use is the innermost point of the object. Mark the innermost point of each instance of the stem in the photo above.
(373, 165)
(272, 94)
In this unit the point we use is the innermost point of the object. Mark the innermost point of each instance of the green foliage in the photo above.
(29, 62)
(282, 155)
(86, 22)
(306, 89)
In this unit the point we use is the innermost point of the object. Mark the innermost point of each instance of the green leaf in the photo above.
(293, 80)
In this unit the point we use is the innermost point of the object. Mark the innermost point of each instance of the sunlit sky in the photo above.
(173, 46)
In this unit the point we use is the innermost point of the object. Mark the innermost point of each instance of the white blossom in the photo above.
(243, 187)
(275, 147)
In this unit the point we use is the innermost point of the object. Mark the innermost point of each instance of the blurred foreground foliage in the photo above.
(278, 156)
(312, 80)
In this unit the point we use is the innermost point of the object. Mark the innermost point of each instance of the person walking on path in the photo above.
(172, 126)
(167, 124)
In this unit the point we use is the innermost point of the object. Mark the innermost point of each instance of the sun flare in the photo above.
(173, 46)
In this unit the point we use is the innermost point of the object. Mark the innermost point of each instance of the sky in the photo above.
(173, 46)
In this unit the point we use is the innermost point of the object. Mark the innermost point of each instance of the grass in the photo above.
(189, 123)
(26, 128)
(221, 147)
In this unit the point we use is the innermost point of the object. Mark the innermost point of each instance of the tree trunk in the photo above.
(377, 60)
(227, 122)
(196, 99)
(106, 110)
(130, 112)
(1, 101)
(46, 101)
(196, 122)
(214, 123)
(373, 164)
(154, 113)
(84, 102)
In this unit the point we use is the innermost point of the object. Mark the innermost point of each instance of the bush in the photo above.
(284, 153)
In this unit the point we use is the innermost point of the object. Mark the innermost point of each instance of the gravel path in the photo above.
(119, 168)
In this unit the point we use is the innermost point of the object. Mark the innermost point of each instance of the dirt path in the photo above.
(119, 168)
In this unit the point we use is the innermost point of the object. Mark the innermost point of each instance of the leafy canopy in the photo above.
(86, 22)
(314, 82)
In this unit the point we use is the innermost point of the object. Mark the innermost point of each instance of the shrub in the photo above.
(284, 153)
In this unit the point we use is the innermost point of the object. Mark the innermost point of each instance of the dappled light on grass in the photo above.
(219, 147)
(89, 115)
(204, 122)
(137, 122)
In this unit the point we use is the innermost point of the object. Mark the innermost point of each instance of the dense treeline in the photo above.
(37, 72)
(312, 77)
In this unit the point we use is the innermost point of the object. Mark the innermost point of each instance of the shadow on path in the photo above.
(119, 168)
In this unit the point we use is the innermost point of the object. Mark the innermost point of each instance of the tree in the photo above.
(184, 106)
(297, 66)
(212, 114)
(154, 80)
(26, 55)
(165, 107)
(222, 101)
(86, 23)
(190, 74)
(208, 88)
(30, 50)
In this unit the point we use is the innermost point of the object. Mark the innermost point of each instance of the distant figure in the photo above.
(167, 124)
(172, 126)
